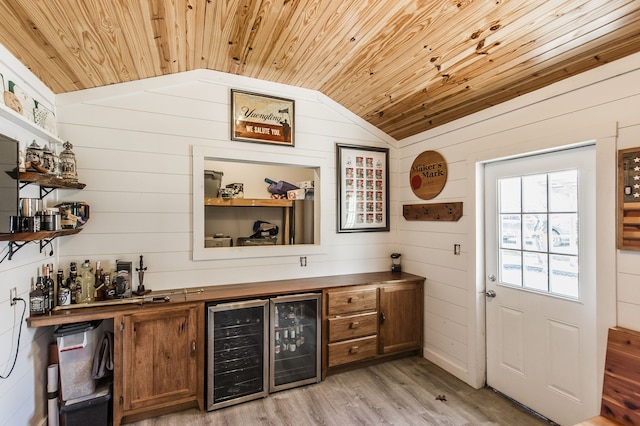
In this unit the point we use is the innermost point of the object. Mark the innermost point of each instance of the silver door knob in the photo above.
(492, 278)
(490, 293)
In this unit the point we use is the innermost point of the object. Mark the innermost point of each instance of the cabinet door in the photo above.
(160, 357)
(400, 317)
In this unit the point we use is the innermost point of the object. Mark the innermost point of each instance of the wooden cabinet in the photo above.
(370, 322)
(400, 317)
(352, 324)
(162, 359)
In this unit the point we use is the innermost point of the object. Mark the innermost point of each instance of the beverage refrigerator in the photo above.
(259, 346)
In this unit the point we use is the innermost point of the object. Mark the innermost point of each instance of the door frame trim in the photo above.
(604, 137)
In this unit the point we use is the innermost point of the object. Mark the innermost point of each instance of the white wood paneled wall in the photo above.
(133, 143)
(600, 105)
(23, 398)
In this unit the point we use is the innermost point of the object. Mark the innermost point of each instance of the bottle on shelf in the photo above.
(48, 288)
(100, 289)
(110, 289)
(37, 303)
(64, 294)
(87, 283)
(72, 282)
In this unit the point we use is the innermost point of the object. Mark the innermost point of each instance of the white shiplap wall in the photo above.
(134, 142)
(23, 394)
(601, 105)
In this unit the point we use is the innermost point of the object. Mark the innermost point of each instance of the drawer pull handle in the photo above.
(352, 299)
(354, 350)
(355, 324)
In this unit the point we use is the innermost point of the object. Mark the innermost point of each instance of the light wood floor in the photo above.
(400, 392)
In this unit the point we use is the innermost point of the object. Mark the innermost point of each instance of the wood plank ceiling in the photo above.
(404, 66)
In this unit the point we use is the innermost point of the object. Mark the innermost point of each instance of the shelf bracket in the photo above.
(44, 191)
(46, 242)
(14, 246)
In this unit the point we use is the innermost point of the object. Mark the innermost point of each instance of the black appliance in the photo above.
(250, 353)
(9, 186)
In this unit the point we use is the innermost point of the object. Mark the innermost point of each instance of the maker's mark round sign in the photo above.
(428, 175)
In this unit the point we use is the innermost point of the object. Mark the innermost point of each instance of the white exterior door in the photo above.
(540, 265)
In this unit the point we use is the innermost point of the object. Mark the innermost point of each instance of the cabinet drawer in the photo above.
(343, 328)
(345, 302)
(352, 350)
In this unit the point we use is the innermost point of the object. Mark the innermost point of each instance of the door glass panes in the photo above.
(538, 225)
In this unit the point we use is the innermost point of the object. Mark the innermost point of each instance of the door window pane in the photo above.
(511, 267)
(510, 187)
(538, 225)
(534, 193)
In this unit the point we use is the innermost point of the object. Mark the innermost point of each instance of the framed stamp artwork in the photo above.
(363, 188)
(262, 118)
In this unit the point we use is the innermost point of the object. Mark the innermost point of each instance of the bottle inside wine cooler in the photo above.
(277, 343)
(285, 340)
(292, 340)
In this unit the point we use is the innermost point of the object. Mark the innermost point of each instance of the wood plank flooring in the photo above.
(409, 391)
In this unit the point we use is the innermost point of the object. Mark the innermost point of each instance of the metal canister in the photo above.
(64, 296)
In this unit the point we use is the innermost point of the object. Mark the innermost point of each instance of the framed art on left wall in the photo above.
(262, 118)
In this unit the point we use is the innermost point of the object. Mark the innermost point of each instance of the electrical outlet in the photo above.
(303, 261)
(13, 293)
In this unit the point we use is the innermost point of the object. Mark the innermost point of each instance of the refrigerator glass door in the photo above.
(236, 352)
(295, 341)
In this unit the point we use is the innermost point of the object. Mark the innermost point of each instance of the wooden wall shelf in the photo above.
(449, 212)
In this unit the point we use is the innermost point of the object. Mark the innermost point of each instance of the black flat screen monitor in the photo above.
(9, 186)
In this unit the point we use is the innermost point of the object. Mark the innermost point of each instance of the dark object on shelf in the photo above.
(280, 187)
(262, 229)
(395, 262)
(141, 270)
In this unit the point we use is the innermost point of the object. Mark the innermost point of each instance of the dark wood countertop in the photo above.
(218, 293)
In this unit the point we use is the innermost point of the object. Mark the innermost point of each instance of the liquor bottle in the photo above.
(72, 281)
(37, 299)
(48, 288)
(100, 289)
(87, 282)
(64, 294)
(110, 289)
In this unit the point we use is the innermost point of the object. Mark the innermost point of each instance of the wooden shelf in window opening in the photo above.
(628, 237)
(247, 202)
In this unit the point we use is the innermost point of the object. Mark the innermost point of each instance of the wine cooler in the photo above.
(259, 346)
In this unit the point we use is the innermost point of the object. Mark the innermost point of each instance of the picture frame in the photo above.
(262, 118)
(363, 188)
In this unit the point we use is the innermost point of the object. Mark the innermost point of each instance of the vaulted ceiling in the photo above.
(404, 66)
